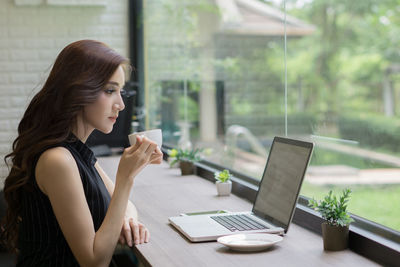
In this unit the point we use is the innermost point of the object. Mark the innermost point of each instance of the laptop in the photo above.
(274, 205)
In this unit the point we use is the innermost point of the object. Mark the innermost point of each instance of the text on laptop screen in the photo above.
(281, 181)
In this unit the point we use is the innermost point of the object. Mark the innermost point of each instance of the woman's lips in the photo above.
(113, 119)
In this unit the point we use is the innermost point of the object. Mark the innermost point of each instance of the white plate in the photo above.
(250, 242)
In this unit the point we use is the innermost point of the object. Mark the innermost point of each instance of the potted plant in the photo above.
(173, 159)
(186, 159)
(223, 183)
(335, 229)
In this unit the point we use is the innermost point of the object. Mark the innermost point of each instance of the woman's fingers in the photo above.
(131, 149)
(142, 231)
(156, 158)
(151, 149)
(147, 236)
(144, 145)
(135, 230)
(121, 239)
(127, 233)
(139, 231)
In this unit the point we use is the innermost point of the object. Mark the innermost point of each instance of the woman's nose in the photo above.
(120, 104)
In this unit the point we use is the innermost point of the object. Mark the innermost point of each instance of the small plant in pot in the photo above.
(335, 229)
(173, 159)
(186, 159)
(223, 183)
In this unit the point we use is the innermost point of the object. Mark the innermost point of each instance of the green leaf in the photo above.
(223, 176)
(332, 208)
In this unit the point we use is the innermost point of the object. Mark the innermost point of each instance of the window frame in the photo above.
(136, 53)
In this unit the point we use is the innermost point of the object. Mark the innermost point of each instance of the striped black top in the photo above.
(40, 240)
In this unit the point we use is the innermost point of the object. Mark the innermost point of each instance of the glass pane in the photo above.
(215, 78)
(345, 75)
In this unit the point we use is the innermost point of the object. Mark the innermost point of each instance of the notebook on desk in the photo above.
(274, 205)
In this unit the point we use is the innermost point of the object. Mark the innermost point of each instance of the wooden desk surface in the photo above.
(160, 192)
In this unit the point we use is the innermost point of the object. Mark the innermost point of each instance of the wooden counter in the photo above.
(160, 192)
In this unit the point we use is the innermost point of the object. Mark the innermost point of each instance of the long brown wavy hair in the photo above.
(79, 73)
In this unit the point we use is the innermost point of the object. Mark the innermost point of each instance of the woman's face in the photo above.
(103, 113)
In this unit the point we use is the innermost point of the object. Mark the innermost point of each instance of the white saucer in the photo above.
(250, 242)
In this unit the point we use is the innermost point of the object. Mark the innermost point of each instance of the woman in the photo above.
(63, 210)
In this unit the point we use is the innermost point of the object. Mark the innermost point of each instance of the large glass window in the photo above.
(220, 75)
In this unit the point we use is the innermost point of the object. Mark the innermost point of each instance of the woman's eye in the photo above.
(109, 91)
(123, 92)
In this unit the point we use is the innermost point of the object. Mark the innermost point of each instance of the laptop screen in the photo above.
(281, 182)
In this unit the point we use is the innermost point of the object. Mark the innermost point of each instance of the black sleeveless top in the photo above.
(40, 240)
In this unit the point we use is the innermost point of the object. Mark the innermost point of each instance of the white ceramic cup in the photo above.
(154, 135)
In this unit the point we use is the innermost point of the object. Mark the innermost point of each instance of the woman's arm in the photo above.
(131, 226)
(58, 177)
(131, 209)
(132, 231)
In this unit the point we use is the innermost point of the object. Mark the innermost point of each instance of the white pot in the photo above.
(224, 189)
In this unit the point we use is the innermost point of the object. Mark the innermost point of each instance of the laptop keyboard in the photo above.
(239, 222)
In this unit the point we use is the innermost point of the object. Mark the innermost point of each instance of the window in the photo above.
(217, 76)
(346, 77)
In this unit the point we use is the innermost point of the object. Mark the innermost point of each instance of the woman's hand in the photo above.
(156, 157)
(135, 158)
(133, 232)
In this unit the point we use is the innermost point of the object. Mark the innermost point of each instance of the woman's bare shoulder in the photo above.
(55, 164)
(55, 157)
